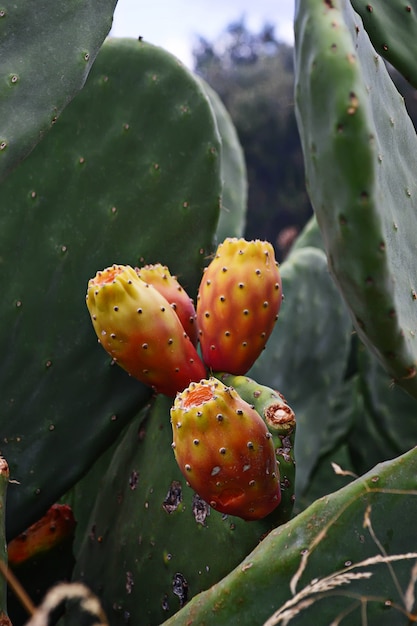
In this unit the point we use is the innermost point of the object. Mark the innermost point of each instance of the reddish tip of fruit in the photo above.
(108, 275)
(196, 396)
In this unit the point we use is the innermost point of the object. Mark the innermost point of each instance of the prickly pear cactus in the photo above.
(161, 278)
(47, 50)
(359, 147)
(130, 172)
(238, 302)
(379, 434)
(142, 333)
(235, 188)
(225, 450)
(392, 28)
(281, 422)
(337, 562)
(40, 557)
(148, 525)
(306, 362)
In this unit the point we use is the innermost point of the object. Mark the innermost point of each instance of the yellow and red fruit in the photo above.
(225, 451)
(137, 326)
(238, 302)
(52, 529)
(161, 278)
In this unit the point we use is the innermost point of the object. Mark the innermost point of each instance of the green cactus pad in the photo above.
(310, 236)
(234, 200)
(130, 173)
(148, 525)
(47, 49)
(359, 147)
(378, 433)
(356, 523)
(392, 28)
(306, 356)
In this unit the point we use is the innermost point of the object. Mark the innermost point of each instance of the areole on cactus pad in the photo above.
(238, 302)
(141, 331)
(225, 451)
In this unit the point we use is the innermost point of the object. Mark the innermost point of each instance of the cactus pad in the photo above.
(47, 49)
(359, 147)
(130, 173)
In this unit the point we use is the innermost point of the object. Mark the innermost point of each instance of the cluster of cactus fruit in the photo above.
(147, 322)
(90, 473)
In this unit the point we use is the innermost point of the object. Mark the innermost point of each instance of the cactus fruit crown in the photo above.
(225, 450)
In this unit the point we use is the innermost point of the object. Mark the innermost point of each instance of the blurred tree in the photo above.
(253, 75)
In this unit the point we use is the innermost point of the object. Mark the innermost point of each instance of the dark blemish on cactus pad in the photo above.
(180, 588)
(129, 582)
(201, 510)
(173, 498)
(133, 480)
(165, 603)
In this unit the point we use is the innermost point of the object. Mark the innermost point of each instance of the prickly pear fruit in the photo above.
(225, 451)
(160, 277)
(269, 403)
(142, 333)
(237, 305)
(281, 422)
(53, 528)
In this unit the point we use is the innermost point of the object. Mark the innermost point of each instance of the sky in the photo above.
(175, 24)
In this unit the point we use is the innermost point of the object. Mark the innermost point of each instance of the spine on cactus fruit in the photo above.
(238, 303)
(140, 330)
(161, 278)
(225, 451)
